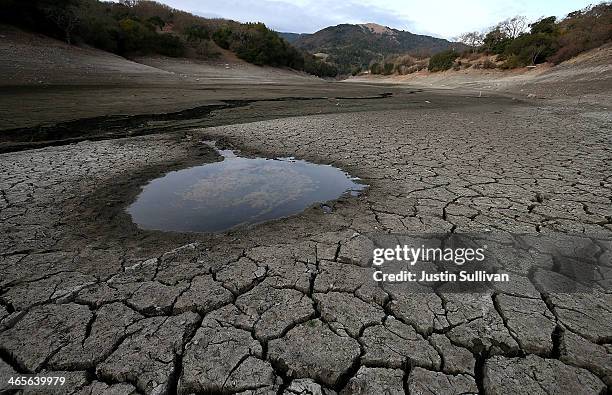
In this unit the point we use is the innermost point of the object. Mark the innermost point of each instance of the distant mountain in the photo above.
(355, 46)
(291, 37)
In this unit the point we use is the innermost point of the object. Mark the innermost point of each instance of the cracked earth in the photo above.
(288, 307)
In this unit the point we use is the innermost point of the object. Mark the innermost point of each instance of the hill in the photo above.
(353, 47)
(138, 27)
(291, 37)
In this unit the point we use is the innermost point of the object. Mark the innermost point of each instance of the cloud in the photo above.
(296, 16)
(442, 18)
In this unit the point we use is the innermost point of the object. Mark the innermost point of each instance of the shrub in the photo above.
(157, 22)
(529, 49)
(388, 68)
(168, 44)
(134, 36)
(196, 33)
(320, 68)
(442, 61)
(470, 55)
(205, 49)
(489, 64)
(101, 36)
(511, 62)
(410, 69)
(223, 37)
(406, 60)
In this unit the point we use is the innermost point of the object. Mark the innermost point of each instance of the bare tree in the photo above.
(472, 40)
(514, 26)
(129, 3)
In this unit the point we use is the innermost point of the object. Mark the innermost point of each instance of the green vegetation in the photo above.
(549, 39)
(386, 68)
(122, 28)
(255, 43)
(515, 43)
(136, 36)
(320, 68)
(442, 61)
(583, 30)
(138, 27)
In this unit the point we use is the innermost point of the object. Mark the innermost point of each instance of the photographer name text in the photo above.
(411, 256)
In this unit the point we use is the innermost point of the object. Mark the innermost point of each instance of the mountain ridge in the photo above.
(355, 46)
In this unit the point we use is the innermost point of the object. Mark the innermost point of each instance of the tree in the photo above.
(388, 68)
(442, 60)
(157, 22)
(197, 36)
(135, 36)
(496, 41)
(472, 40)
(196, 33)
(223, 37)
(513, 27)
(530, 49)
(64, 17)
(544, 25)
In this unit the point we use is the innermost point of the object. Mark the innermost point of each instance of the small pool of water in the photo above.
(216, 197)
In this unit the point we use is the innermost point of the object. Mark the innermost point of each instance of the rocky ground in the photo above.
(289, 307)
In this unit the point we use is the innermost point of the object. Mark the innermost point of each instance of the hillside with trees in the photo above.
(353, 48)
(517, 43)
(138, 27)
(513, 43)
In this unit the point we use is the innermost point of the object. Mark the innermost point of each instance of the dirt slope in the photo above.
(33, 59)
(587, 77)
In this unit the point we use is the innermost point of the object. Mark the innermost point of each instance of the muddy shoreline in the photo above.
(100, 216)
(335, 98)
(118, 126)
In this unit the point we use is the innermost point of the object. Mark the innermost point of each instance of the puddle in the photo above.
(237, 191)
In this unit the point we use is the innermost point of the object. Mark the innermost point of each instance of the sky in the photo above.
(440, 18)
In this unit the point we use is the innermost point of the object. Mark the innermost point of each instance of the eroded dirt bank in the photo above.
(584, 79)
(286, 307)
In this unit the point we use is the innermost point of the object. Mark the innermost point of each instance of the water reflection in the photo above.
(219, 196)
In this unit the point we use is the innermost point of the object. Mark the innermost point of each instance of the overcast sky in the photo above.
(442, 18)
